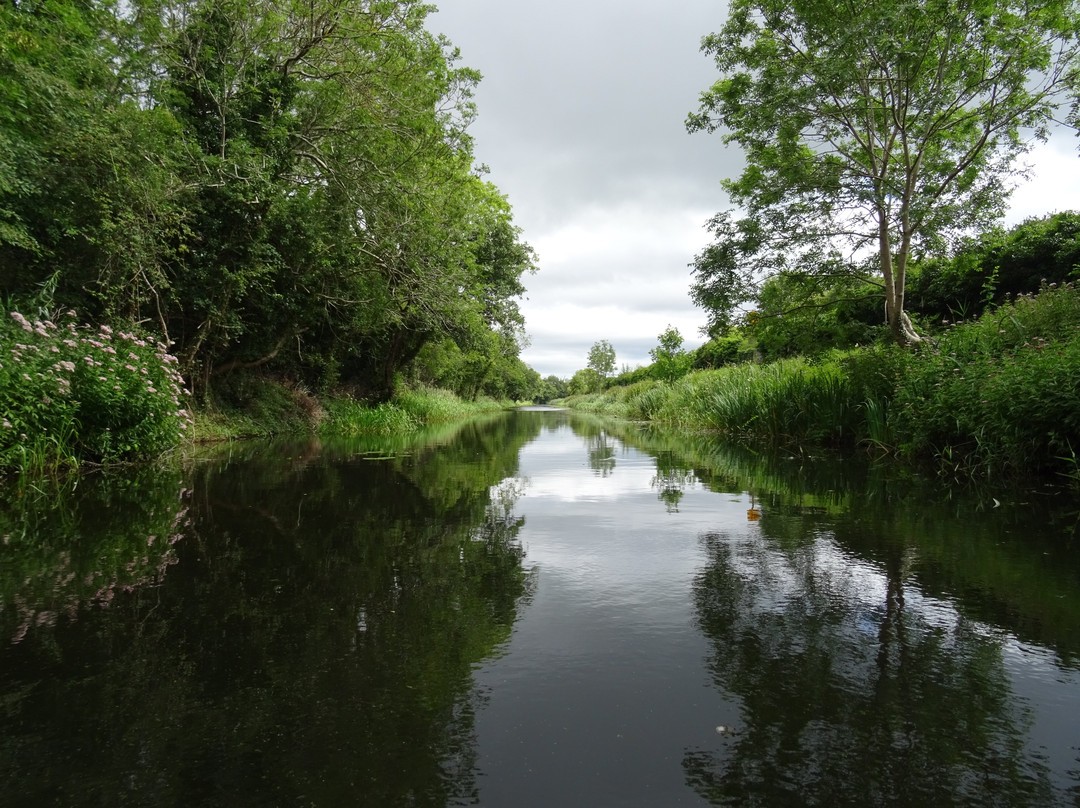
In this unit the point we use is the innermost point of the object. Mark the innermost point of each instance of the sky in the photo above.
(581, 121)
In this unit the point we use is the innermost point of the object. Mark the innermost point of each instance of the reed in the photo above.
(350, 417)
(408, 411)
(789, 401)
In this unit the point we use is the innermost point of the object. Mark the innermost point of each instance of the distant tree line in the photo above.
(270, 184)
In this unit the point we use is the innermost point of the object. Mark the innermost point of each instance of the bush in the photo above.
(997, 265)
(1001, 393)
(71, 393)
(719, 351)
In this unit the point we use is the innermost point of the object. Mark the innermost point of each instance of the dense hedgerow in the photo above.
(70, 393)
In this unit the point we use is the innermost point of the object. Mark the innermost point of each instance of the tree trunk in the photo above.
(894, 275)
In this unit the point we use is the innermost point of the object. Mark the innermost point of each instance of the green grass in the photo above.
(409, 411)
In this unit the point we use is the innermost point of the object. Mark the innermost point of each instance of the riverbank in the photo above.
(269, 407)
(76, 394)
(993, 397)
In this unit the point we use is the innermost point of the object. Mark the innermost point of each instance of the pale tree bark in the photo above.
(894, 271)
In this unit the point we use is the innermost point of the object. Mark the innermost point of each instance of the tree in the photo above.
(872, 126)
(670, 361)
(584, 381)
(602, 358)
(274, 185)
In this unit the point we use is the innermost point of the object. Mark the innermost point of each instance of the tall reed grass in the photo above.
(408, 411)
(792, 400)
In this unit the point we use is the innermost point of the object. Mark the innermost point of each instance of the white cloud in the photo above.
(1054, 185)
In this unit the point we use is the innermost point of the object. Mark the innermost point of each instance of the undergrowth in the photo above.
(72, 393)
(996, 395)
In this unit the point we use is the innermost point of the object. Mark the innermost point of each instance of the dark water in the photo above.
(536, 609)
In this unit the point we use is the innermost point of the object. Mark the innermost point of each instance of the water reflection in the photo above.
(75, 543)
(887, 642)
(855, 689)
(312, 644)
(541, 609)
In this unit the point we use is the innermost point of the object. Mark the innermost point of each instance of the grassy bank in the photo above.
(265, 407)
(994, 396)
(73, 393)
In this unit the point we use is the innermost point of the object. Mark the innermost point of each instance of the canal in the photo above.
(537, 608)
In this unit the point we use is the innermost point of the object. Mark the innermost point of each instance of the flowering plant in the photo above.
(69, 393)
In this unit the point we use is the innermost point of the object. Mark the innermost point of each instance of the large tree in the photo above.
(872, 127)
(274, 184)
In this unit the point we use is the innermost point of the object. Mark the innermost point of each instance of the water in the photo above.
(536, 609)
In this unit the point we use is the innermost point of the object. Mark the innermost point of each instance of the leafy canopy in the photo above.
(872, 127)
(602, 358)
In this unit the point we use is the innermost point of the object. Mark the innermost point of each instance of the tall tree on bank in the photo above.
(872, 125)
(602, 358)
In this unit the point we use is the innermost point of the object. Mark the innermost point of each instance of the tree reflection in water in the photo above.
(313, 644)
(855, 689)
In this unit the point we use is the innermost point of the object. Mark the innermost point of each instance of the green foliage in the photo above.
(69, 393)
(886, 125)
(807, 315)
(348, 417)
(670, 361)
(275, 186)
(992, 397)
(998, 394)
(629, 377)
(989, 269)
(726, 350)
(786, 402)
(584, 381)
(551, 388)
(409, 411)
(494, 370)
(602, 358)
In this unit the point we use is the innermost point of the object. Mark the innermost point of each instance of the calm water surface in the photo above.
(536, 609)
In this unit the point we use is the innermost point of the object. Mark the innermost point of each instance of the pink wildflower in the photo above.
(22, 321)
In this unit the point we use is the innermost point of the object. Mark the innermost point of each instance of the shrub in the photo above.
(1000, 393)
(996, 265)
(71, 393)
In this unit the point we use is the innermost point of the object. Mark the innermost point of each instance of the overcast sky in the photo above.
(581, 121)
